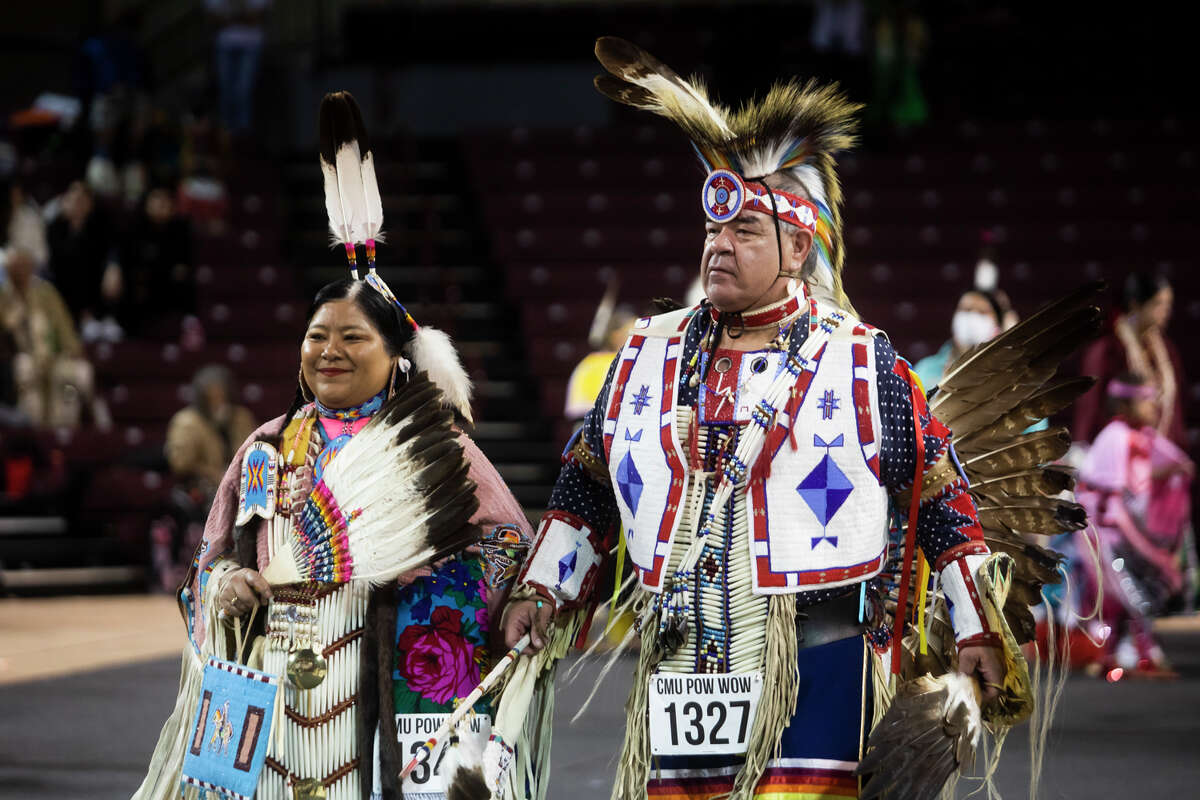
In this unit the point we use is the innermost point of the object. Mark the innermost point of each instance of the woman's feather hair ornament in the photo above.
(355, 210)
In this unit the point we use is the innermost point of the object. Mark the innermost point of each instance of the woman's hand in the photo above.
(527, 616)
(242, 590)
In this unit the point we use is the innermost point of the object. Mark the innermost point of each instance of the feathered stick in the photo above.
(463, 776)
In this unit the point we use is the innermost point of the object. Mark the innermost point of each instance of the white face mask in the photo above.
(970, 328)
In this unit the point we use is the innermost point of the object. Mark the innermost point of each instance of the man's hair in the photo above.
(790, 183)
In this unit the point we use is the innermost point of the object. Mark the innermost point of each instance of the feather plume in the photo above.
(1047, 516)
(341, 166)
(641, 80)
(989, 424)
(372, 203)
(930, 732)
(352, 198)
(432, 351)
(792, 125)
(396, 497)
(1045, 481)
(1024, 452)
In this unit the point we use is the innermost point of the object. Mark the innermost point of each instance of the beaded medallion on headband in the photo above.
(725, 194)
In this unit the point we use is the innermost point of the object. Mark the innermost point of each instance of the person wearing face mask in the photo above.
(977, 319)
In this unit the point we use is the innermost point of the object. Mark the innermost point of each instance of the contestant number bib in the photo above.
(702, 714)
(426, 781)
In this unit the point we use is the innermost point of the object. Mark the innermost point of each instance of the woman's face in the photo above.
(343, 358)
(1156, 312)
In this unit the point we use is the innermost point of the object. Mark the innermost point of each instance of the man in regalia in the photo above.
(753, 457)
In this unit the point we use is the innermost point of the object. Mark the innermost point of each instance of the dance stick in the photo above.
(426, 750)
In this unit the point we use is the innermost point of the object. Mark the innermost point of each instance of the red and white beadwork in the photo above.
(725, 194)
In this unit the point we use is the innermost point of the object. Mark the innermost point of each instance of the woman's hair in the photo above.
(379, 311)
(1139, 287)
(993, 301)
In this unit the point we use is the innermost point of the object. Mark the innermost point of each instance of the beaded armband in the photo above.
(935, 480)
(592, 464)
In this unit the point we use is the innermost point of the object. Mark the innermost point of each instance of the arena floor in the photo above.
(85, 684)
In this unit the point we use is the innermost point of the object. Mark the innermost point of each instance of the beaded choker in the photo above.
(763, 317)
(355, 412)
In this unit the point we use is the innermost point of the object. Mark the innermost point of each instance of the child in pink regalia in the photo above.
(1135, 484)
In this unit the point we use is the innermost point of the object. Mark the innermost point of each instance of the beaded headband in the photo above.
(1131, 391)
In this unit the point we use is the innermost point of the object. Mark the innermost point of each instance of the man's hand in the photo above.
(984, 663)
(527, 616)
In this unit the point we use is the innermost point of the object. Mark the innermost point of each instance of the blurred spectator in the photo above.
(978, 317)
(238, 51)
(81, 244)
(1135, 485)
(1137, 343)
(158, 282)
(21, 225)
(53, 381)
(837, 24)
(201, 440)
(587, 379)
(901, 38)
(112, 77)
(202, 437)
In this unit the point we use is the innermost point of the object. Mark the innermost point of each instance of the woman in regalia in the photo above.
(361, 664)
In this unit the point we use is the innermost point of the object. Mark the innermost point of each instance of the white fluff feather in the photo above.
(432, 351)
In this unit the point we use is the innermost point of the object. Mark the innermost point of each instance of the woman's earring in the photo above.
(304, 391)
(392, 380)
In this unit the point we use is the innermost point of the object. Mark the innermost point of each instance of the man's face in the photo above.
(741, 261)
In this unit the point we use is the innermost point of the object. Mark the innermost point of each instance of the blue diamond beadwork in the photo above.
(629, 481)
(826, 488)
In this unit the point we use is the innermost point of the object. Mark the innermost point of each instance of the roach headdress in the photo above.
(355, 210)
(797, 129)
